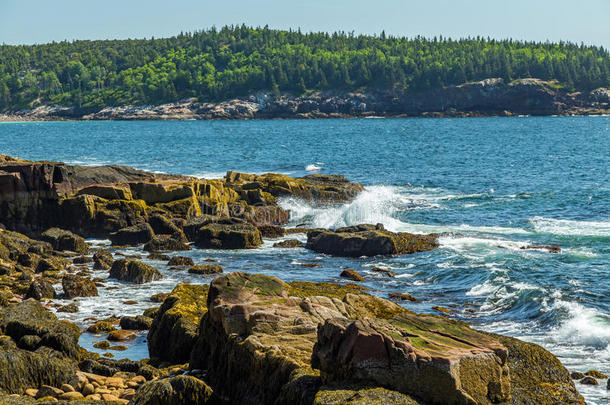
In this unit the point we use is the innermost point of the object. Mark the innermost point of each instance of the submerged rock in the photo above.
(289, 243)
(180, 261)
(352, 274)
(134, 271)
(368, 240)
(206, 269)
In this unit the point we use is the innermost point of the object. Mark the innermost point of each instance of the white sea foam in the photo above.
(584, 326)
(313, 168)
(570, 227)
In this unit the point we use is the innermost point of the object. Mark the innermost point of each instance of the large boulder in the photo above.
(174, 331)
(30, 318)
(368, 240)
(228, 234)
(437, 360)
(179, 390)
(257, 339)
(64, 240)
(132, 235)
(77, 286)
(134, 271)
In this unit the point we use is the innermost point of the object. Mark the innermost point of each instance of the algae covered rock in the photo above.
(102, 260)
(173, 331)
(132, 235)
(228, 234)
(179, 390)
(31, 318)
(77, 286)
(134, 271)
(163, 243)
(368, 240)
(64, 240)
(40, 289)
(206, 269)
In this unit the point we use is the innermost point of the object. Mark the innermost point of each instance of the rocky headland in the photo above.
(242, 338)
(490, 97)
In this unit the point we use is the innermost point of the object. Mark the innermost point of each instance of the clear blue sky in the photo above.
(40, 21)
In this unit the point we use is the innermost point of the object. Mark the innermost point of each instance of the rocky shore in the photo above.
(490, 97)
(242, 338)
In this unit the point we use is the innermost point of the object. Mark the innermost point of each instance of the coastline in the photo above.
(487, 98)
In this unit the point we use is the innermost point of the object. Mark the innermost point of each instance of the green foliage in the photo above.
(238, 60)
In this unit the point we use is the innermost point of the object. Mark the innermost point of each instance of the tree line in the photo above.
(218, 64)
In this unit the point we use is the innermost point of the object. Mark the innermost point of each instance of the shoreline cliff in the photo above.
(490, 97)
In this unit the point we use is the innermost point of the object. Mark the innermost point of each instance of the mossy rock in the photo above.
(179, 390)
(228, 234)
(173, 330)
(134, 271)
(61, 239)
(164, 243)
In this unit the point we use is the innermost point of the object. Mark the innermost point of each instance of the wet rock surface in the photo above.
(368, 240)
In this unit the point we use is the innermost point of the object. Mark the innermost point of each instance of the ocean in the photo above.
(490, 185)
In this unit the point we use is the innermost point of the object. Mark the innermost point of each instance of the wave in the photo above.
(584, 326)
(313, 168)
(570, 227)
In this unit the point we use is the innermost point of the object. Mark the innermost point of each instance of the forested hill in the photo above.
(236, 61)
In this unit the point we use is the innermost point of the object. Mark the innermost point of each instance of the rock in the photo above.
(136, 323)
(71, 308)
(158, 256)
(588, 380)
(577, 375)
(271, 231)
(121, 335)
(31, 318)
(108, 192)
(66, 388)
(387, 272)
(31, 392)
(165, 243)
(361, 395)
(206, 269)
(228, 234)
(180, 261)
(51, 263)
(35, 328)
(161, 225)
(102, 260)
(101, 326)
(77, 286)
(134, 271)
(174, 328)
(179, 390)
(82, 260)
(548, 248)
(596, 374)
(608, 385)
(64, 240)
(368, 240)
(442, 309)
(48, 391)
(289, 243)
(103, 345)
(352, 274)
(40, 289)
(436, 360)
(403, 297)
(160, 297)
(259, 335)
(88, 389)
(132, 235)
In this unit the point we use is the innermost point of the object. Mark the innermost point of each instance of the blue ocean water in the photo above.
(492, 185)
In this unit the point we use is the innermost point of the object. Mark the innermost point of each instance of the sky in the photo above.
(41, 21)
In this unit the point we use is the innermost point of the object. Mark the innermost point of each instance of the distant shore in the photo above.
(491, 97)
